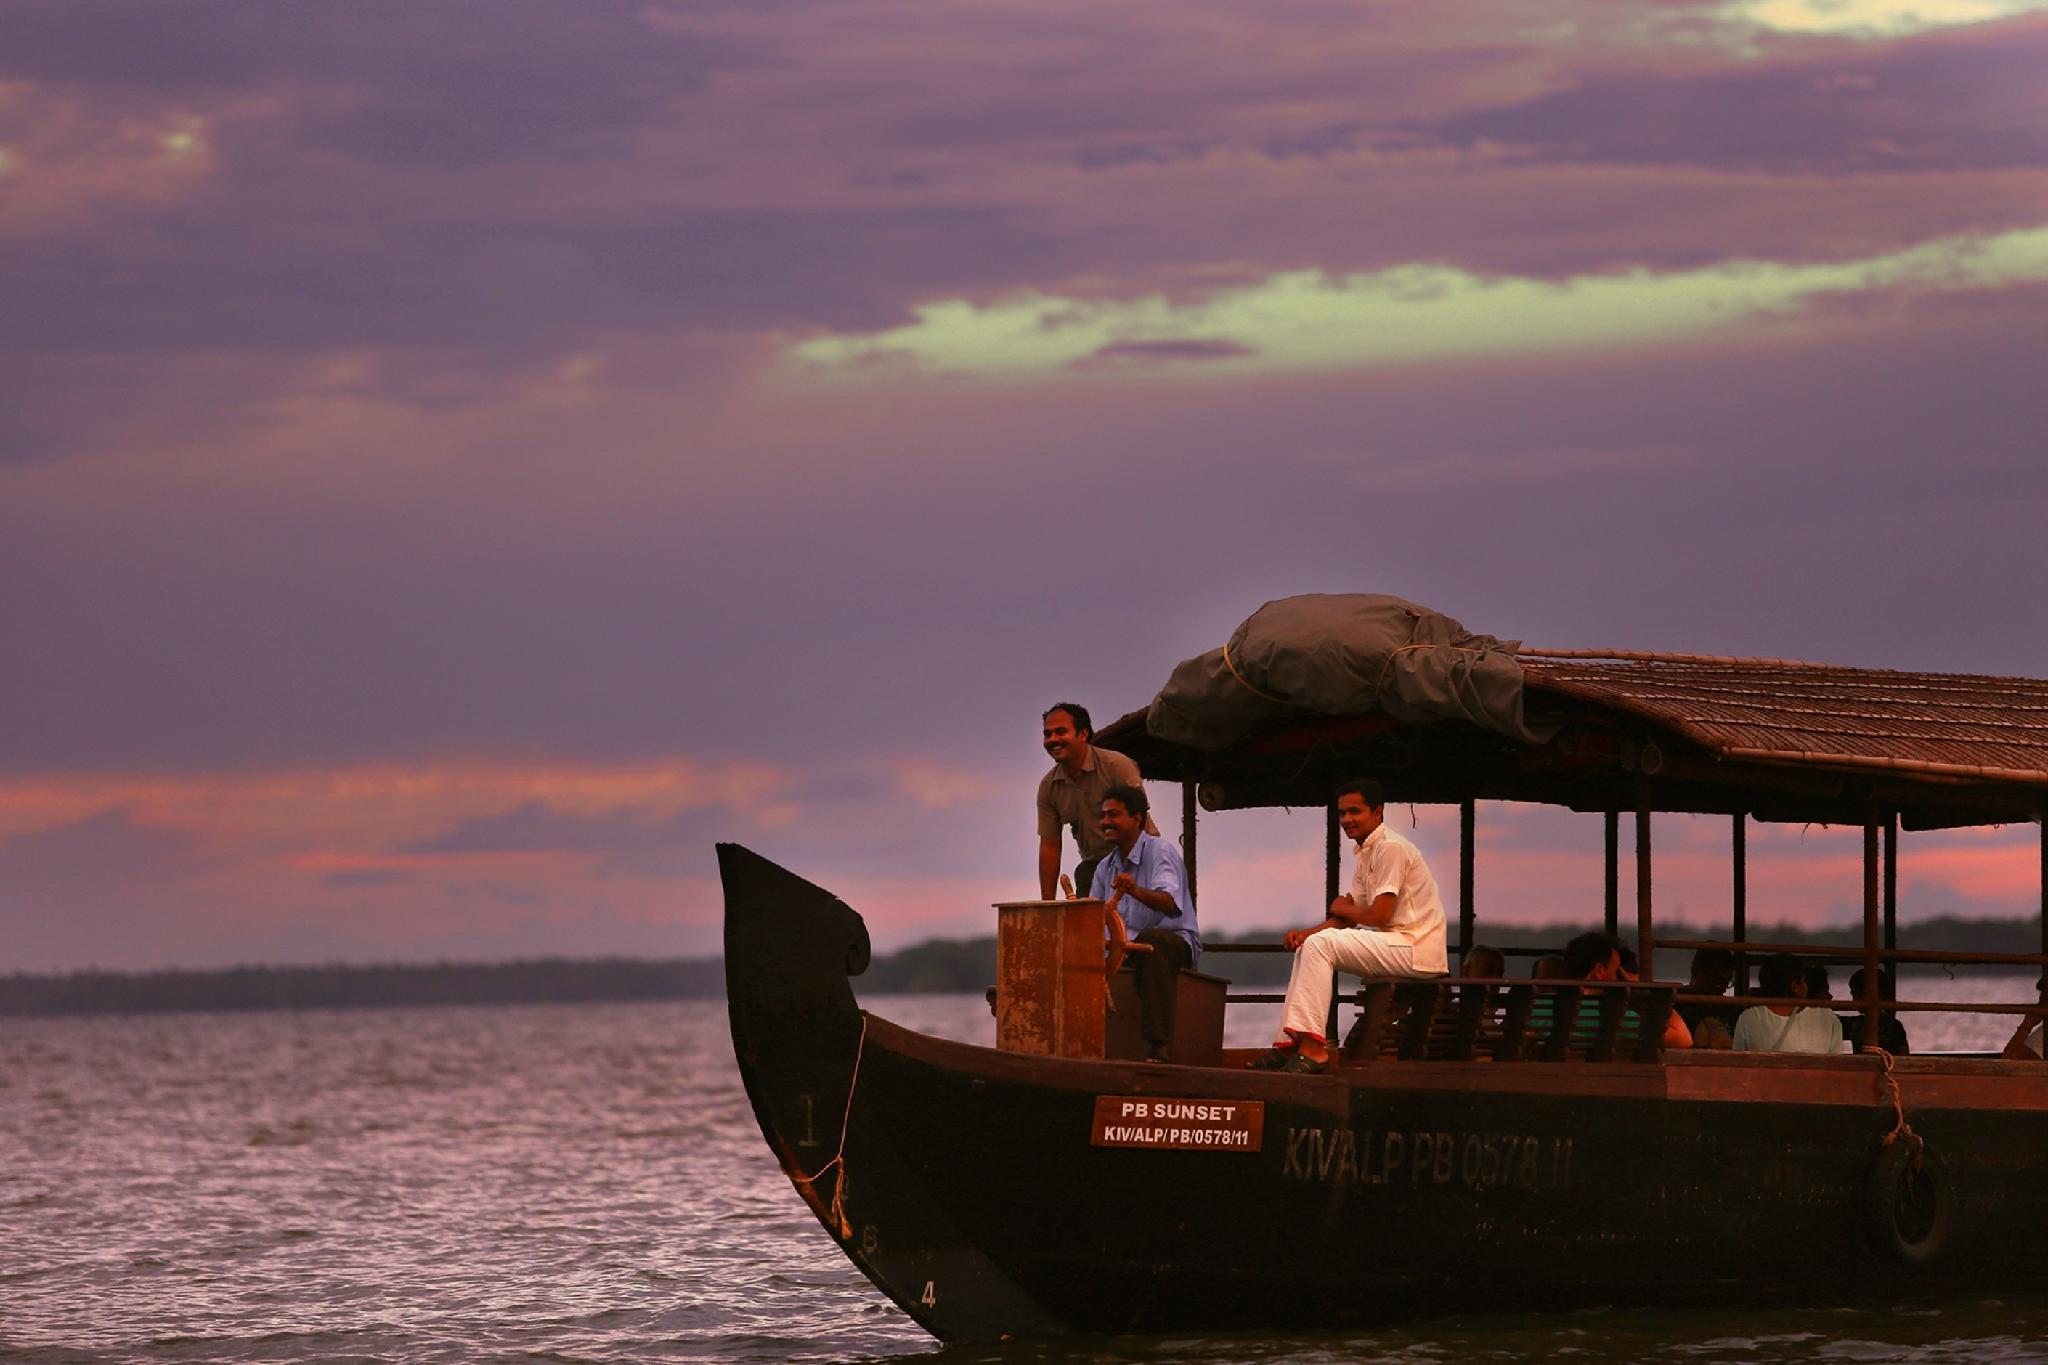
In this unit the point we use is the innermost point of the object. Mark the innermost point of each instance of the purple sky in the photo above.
(454, 468)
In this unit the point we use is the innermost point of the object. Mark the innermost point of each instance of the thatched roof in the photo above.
(1958, 724)
(1780, 739)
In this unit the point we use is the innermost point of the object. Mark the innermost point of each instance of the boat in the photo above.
(1454, 1161)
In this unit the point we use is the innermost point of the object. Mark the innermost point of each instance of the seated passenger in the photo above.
(1146, 876)
(1483, 961)
(1391, 924)
(1786, 1028)
(1817, 983)
(1713, 971)
(1676, 1031)
(1597, 956)
(2025, 1043)
(1891, 1030)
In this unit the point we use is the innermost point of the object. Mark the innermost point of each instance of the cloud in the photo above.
(635, 842)
(1306, 321)
(535, 827)
(110, 886)
(569, 178)
(1468, 470)
(1873, 18)
(841, 806)
(214, 868)
(106, 845)
(1146, 352)
(356, 809)
(397, 82)
(942, 786)
(352, 878)
(1939, 103)
(221, 280)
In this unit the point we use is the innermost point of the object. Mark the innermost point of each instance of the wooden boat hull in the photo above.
(973, 1186)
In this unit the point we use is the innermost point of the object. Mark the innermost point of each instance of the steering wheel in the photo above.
(1119, 940)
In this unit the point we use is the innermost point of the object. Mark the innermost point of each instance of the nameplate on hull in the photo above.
(1179, 1125)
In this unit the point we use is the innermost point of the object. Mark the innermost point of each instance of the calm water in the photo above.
(576, 1183)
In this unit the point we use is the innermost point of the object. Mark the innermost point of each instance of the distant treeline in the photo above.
(541, 980)
(937, 966)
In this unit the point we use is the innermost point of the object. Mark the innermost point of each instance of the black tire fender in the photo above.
(1911, 1203)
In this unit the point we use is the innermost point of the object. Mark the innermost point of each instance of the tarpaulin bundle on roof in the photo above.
(1342, 654)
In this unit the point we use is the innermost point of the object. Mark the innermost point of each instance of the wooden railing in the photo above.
(1508, 1020)
(1461, 1018)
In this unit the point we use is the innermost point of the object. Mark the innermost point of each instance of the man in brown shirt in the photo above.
(1070, 796)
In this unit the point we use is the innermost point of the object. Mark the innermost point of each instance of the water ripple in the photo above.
(571, 1183)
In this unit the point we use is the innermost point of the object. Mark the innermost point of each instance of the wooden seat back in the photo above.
(1464, 1019)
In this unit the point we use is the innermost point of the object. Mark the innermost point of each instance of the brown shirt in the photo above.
(1077, 803)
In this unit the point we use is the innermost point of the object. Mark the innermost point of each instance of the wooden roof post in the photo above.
(1614, 872)
(1739, 895)
(1332, 842)
(1870, 928)
(1645, 939)
(1467, 820)
(1891, 879)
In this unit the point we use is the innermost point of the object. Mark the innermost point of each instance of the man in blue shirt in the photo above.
(1144, 872)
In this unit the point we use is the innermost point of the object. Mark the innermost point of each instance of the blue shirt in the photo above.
(1155, 865)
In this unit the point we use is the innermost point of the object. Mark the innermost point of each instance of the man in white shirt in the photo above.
(1786, 1028)
(1391, 924)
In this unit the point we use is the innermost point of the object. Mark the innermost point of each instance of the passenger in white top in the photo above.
(1392, 924)
(1786, 1028)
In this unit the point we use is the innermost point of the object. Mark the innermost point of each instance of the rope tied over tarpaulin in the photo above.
(838, 1206)
(1380, 683)
(1231, 664)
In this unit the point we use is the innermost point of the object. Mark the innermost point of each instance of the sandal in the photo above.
(1272, 1059)
(1301, 1065)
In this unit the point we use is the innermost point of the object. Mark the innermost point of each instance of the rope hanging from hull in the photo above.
(809, 1182)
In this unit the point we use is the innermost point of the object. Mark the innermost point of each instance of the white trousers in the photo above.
(1368, 952)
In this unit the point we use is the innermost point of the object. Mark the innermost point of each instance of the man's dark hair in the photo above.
(1817, 983)
(1588, 951)
(1366, 789)
(1884, 984)
(1078, 712)
(1777, 975)
(1132, 799)
(1483, 955)
(1713, 959)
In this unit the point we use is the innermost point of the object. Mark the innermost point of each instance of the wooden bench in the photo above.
(1466, 1019)
(1197, 1024)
